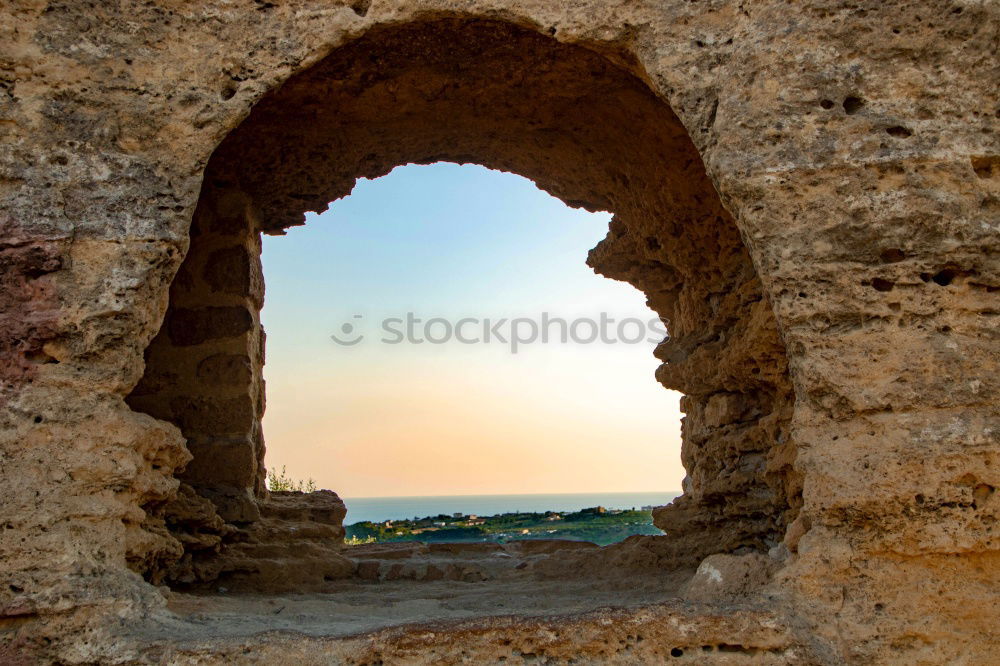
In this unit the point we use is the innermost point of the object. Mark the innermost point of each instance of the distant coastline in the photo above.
(598, 525)
(377, 509)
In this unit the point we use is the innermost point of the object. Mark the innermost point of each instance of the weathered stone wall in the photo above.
(203, 369)
(725, 354)
(853, 143)
(591, 132)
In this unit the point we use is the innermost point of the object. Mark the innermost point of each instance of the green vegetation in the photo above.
(281, 482)
(358, 541)
(596, 524)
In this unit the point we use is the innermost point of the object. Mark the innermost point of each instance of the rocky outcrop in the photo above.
(294, 545)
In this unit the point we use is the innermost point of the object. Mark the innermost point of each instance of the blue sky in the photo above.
(379, 420)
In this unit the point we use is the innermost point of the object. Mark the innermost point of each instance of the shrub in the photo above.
(281, 482)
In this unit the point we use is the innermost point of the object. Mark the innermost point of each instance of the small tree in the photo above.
(281, 482)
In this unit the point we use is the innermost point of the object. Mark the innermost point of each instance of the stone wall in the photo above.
(587, 130)
(203, 369)
(725, 354)
(853, 144)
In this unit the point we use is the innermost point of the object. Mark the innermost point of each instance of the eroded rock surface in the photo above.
(294, 545)
(306, 143)
(808, 192)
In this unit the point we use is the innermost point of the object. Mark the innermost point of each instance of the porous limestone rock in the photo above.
(809, 192)
(723, 577)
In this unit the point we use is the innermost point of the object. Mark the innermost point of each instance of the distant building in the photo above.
(554, 516)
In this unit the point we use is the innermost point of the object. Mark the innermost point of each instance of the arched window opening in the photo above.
(438, 333)
(585, 128)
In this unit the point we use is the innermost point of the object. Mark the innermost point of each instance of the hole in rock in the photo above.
(892, 255)
(881, 284)
(985, 166)
(853, 104)
(586, 131)
(944, 277)
(899, 132)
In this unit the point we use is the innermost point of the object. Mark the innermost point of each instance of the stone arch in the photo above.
(582, 124)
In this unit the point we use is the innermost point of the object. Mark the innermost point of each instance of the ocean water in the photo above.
(378, 509)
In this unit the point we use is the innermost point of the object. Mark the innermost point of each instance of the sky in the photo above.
(427, 414)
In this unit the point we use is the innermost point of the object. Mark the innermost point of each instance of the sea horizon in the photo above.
(378, 509)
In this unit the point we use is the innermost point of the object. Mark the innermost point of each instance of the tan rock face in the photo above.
(808, 195)
(731, 577)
